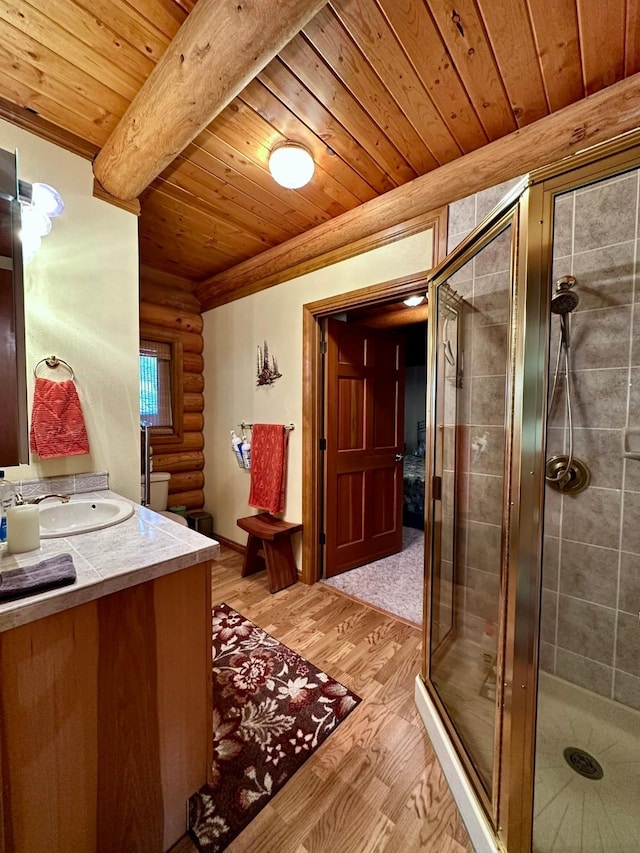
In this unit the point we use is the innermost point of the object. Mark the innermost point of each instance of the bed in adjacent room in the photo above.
(413, 482)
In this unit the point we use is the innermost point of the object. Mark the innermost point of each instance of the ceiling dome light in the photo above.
(48, 200)
(291, 165)
(412, 301)
(46, 204)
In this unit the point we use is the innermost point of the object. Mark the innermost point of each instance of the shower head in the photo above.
(564, 300)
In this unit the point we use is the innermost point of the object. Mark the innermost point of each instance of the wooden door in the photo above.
(364, 430)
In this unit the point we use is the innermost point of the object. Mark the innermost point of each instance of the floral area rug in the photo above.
(271, 711)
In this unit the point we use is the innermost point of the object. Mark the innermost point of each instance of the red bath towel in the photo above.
(57, 424)
(268, 467)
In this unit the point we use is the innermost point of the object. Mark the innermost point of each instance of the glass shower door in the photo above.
(532, 638)
(472, 422)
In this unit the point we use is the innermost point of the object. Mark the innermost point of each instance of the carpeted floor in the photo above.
(272, 709)
(395, 583)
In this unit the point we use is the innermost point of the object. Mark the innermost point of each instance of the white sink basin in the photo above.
(82, 516)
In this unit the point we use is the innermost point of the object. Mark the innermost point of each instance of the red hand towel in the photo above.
(268, 467)
(57, 424)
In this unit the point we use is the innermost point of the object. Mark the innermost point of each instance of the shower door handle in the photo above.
(436, 488)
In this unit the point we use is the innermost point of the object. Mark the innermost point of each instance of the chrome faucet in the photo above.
(20, 500)
(146, 451)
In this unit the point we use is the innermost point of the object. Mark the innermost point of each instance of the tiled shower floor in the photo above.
(574, 814)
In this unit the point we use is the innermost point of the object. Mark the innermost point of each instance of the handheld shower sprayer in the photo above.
(563, 472)
(563, 302)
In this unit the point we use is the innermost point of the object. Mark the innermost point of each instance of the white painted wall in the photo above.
(232, 334)
(81, 304)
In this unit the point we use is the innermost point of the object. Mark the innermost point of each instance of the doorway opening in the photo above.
(375, 483)
(378, 518)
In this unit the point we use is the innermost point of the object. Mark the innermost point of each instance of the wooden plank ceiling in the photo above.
(381, 91)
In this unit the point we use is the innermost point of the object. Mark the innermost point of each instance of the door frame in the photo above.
(313, 313)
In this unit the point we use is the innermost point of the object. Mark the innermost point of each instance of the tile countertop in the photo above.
(144, 547)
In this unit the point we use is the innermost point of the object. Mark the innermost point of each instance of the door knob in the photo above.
(399, 457)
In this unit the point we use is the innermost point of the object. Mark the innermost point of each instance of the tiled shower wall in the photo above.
(591, 574)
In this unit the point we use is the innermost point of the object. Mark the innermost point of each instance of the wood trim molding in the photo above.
(596, 118)
(132, 206)
(174, 339)
(33, 123)
(386, 291)
(29, 120)
(432, 219)
(228, 543)
(311, 460)
(441, 235)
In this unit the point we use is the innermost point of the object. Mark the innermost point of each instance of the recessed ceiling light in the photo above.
(412, 301)
(291, 165)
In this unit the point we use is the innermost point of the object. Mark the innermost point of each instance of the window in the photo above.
(155, 384)
(161, 384)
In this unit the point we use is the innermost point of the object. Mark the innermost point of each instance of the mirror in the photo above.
(13, 424)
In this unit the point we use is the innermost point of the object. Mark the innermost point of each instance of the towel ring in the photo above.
(52, 361)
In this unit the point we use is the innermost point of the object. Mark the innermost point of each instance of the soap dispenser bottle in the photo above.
(7, 500)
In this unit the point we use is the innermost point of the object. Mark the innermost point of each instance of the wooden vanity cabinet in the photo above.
(105, 720)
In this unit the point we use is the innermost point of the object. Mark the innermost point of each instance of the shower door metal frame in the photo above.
(510, 213)
(532, 205)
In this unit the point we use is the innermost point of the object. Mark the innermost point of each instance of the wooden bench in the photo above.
(269, 545)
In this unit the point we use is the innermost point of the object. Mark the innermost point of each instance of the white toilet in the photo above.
(159, 495)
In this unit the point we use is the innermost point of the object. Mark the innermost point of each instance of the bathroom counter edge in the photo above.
(144, 547)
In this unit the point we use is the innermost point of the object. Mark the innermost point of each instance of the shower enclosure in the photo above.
(531, 678)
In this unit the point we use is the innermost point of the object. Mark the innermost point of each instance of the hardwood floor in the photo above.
(375, 785)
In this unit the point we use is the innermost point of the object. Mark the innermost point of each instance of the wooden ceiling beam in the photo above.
(597, 118)
(217, 51)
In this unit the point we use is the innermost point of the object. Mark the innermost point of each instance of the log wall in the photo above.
(168, 304)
